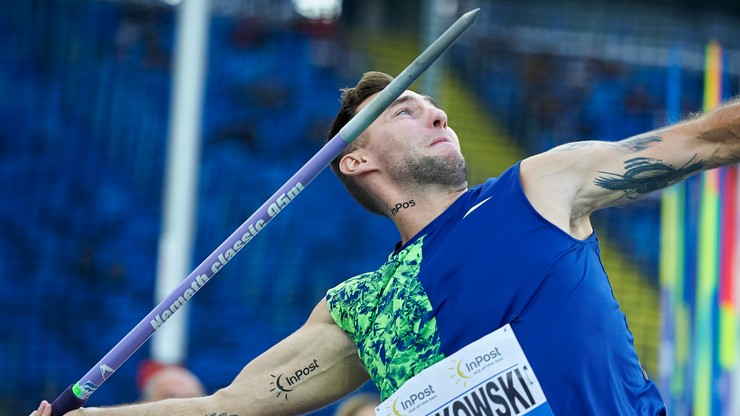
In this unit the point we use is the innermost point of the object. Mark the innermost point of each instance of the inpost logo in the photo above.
(291, 380)
(483, 360)
(458, 373)
(409, 403)
(393, 410)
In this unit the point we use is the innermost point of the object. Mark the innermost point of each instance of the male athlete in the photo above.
(514, 254)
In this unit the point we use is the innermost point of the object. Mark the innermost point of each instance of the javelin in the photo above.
(77, 394)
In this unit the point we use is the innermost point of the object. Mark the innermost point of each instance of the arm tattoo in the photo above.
(638, 143)
(644, 175)
(285, 384)
(220, 414)
(631, 145)
(279, 386)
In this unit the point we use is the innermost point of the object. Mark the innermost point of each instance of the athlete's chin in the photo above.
(451, 172)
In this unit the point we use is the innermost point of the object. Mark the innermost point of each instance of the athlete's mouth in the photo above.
(440, 140)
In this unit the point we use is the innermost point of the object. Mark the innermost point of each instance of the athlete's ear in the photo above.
(356, 163)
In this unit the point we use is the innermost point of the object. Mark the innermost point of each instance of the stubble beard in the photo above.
(448, 172)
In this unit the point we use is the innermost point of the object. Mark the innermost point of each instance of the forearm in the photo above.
(254, 392)
(172, 407)
(310, 369)
(287, 380)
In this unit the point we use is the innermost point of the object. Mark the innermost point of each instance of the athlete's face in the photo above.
(412, 141)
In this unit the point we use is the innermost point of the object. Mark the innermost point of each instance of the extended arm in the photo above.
(313, 367)
(569, 182)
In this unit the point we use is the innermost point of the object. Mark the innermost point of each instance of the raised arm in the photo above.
(313, 367)
(569, 182)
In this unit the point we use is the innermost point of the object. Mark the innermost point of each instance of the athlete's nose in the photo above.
(439, 118)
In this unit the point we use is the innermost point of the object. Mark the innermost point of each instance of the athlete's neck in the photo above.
(413, 212)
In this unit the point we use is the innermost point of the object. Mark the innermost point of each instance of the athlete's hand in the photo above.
(43, 410)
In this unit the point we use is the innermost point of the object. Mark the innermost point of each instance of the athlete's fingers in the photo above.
(47, 408)
(43, 410)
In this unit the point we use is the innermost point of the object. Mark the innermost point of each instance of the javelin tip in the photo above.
(472, 14)
(468, 18)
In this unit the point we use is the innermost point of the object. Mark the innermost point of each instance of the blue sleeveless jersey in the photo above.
(488, 260)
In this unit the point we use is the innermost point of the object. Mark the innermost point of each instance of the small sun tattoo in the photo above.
(280, 389)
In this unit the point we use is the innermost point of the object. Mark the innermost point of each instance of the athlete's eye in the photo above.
(403, 111)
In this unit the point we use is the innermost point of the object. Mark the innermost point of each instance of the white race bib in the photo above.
(491, 376)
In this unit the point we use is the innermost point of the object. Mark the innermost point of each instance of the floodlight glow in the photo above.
(318, 9)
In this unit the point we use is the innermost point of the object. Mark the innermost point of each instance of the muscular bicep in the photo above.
(571, 181)
(313, 367)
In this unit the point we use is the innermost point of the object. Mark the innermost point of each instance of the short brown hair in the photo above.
(351, 98)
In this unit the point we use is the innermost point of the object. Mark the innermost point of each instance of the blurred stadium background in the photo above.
(85, 102)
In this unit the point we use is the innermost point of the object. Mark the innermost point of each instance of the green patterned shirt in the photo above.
(388, 316)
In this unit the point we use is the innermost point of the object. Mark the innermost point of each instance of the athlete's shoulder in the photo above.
(507, 179)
